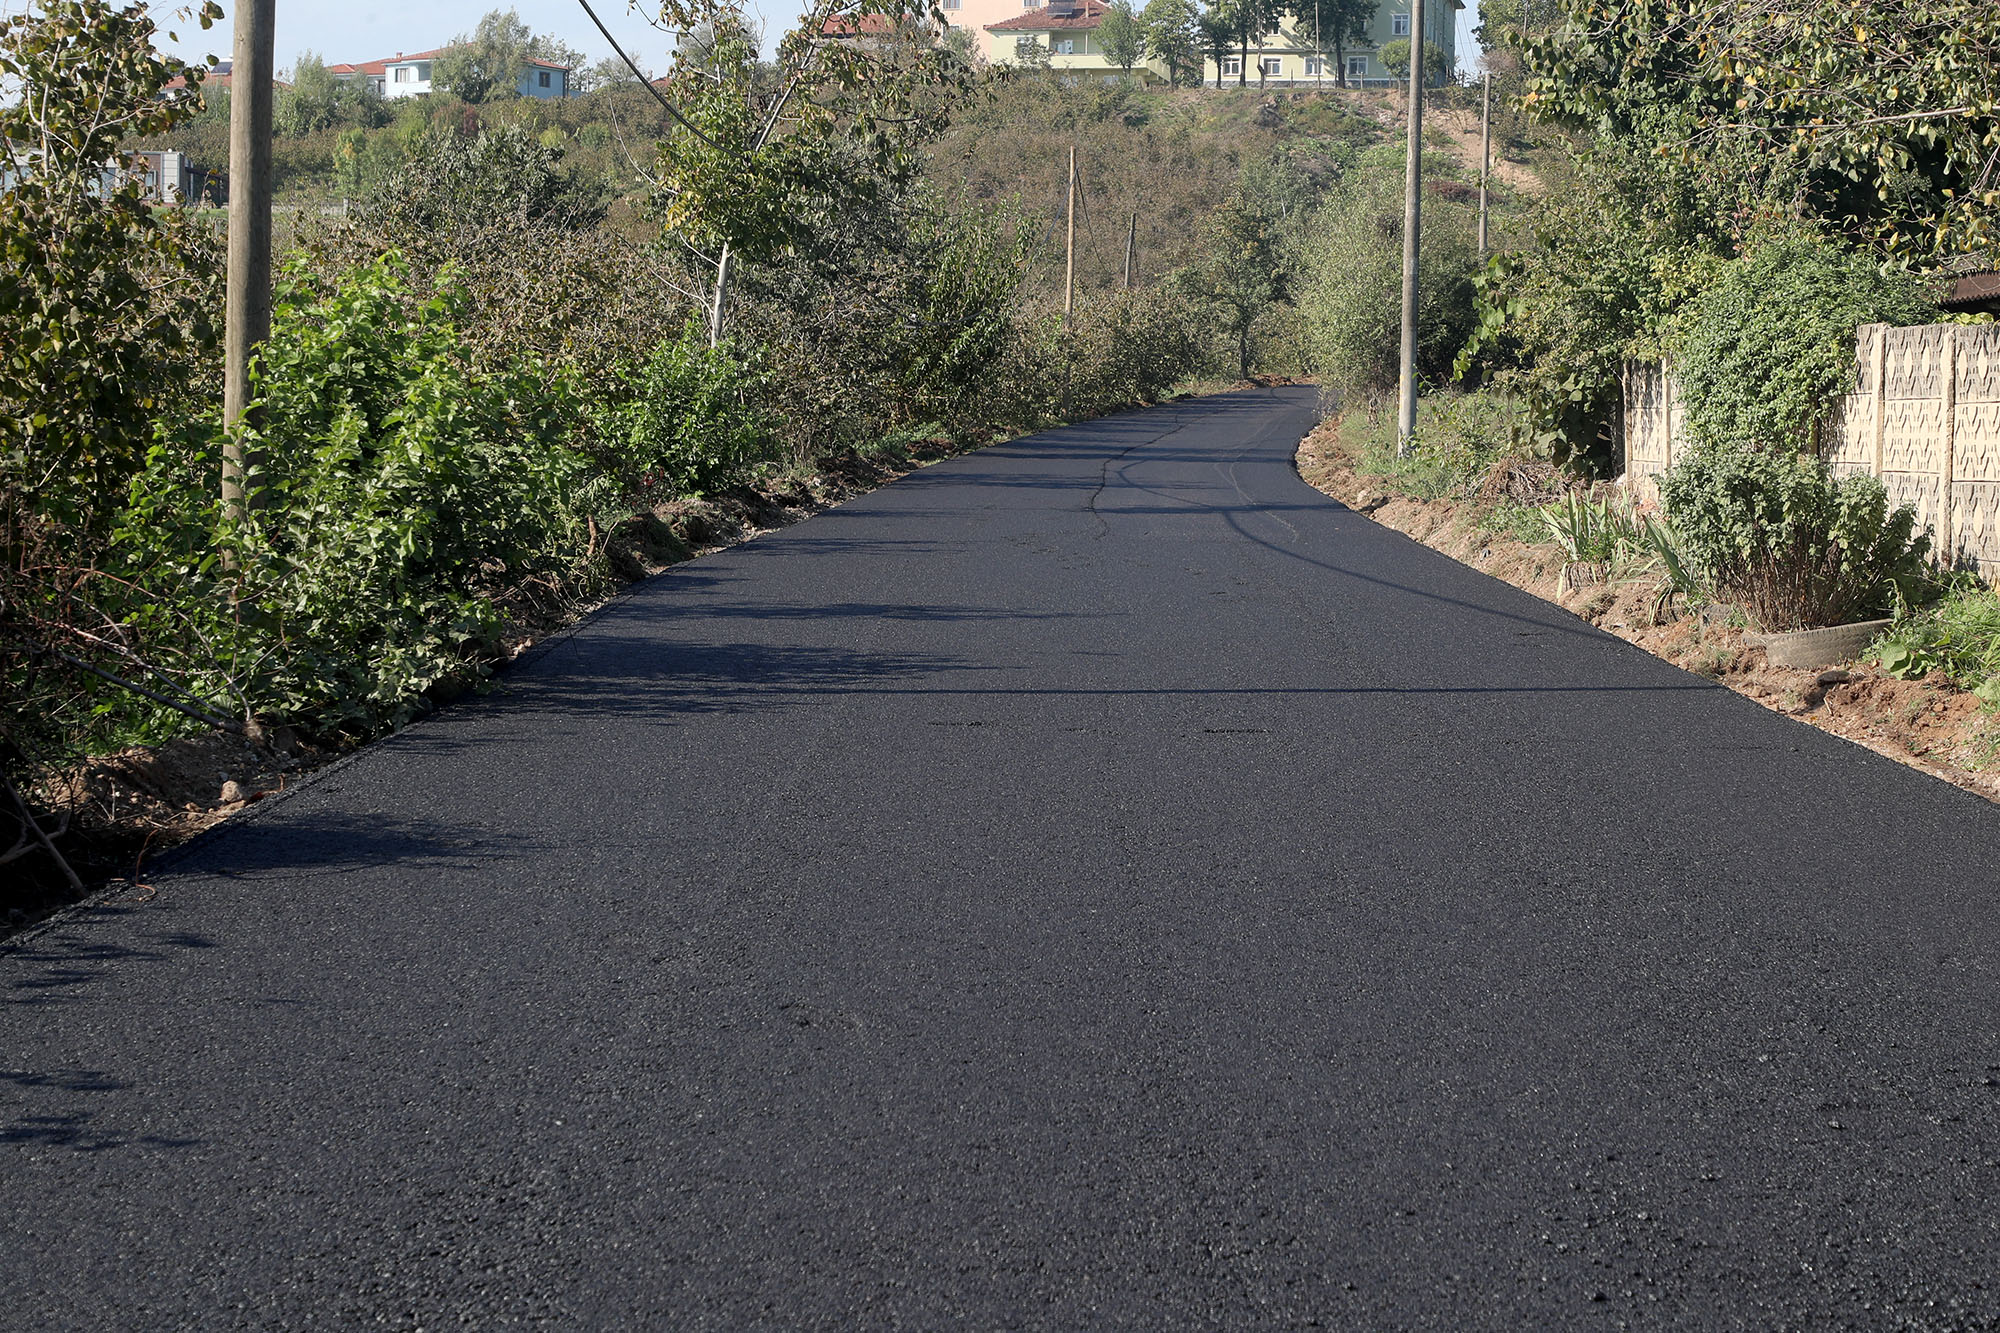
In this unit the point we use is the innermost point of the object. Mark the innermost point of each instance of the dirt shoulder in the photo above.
(1923, 723)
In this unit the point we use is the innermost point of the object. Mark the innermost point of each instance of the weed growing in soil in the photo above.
(1957, 636)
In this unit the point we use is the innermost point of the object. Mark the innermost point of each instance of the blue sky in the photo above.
(356, 30)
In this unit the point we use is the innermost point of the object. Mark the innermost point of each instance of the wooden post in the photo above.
(1485, 150)
(1413, 177)
(1131, 249)
(247, 303)
(1069, 244)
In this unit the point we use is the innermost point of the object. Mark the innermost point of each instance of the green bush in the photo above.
(1958, 637)
(1349, 290)
(694, 418)
(1775, 532)
(1762, 352)
(407, 507)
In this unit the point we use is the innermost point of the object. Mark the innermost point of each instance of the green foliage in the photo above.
(1395, 58)
(1350, 288)
(408, 504)
(1121, 37)
(1173, 37)
(1241, 276)
(1776, 533)
(1459, 439)
(693, 417)
(1761, 353)
(1957, 636)
(104, 301)
(1877, 116)
(1591, 531)
(489, 63)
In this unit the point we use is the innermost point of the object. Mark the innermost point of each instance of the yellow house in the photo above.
(1066, 33)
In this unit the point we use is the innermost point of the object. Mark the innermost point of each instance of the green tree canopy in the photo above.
(1879, 116)
(1124, 41)
(1173, 37)
(487, 64)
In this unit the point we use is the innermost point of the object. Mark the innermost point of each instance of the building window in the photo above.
(1031, 4)
(405, 74)
(1315, 66)
(953, 4)
(1233, 65)
(1066, 47)
(1357, 67)
(1399, 25)
(545, 78)
(424, 72)
(1271, 66)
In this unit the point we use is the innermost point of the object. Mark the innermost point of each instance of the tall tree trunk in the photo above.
(721, 289)
(1243, 62)
(1339, 62)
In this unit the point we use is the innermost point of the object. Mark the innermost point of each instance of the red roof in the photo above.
(1085, 14)
(382, 66)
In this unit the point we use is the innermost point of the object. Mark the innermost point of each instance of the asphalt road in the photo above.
(1094, 883)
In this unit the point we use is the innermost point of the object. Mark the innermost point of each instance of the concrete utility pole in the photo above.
(1069, 245)
(1485, 150)
(248, 303)
(1413, 180)
(1131, 249)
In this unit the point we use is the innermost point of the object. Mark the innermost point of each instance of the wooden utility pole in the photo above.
(1413, 179)
(1131, 249)
(248, 303)
(1069, 245)
(1485, 150)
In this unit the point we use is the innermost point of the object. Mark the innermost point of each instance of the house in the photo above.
(410, 75)
(1066, 29)
(170, 177)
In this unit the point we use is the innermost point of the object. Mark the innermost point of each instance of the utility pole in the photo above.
(248, 301)
(1413, 179)
(1069, 245)
(1485, 150)
(1131, 249)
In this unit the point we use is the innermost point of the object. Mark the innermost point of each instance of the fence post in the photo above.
(1881, 395)
(1948, 393)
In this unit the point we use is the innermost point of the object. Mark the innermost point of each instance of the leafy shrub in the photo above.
(407, 505)
(1762, 352)
(1350, 286)
(1958, 637)
(695, 417)
(1775, 532)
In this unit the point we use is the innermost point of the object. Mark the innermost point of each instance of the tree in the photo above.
(311, 103)
(1332, 26)
(489, 63)
(1218, 35)
(1123, 40)
(760, 151)
(1881, 112)
(1241, 275)
(1173, 37)
(1396, 59)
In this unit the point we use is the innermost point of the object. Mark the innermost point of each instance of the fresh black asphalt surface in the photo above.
(1094, 883)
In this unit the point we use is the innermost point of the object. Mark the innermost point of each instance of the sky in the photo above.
(357, 30)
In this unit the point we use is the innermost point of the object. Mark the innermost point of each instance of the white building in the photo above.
(409, 75)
